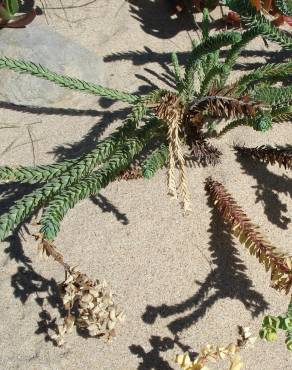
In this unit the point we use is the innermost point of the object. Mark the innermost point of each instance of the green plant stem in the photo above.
(102, 151)
(176, 69)
(273, 95)
(71, 195)
(29, 203)
(271, 71)
(214, 72)
(235, 51)
(210, 45)
(155, 161)
(254, 19)
(37, 70)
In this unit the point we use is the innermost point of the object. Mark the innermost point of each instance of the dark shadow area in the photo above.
(27, 282)
(155, 17)
(279, 56)
(166, 78)
(26, 6)
(227, 280)
(49, 110)
(142, 57)
(164, 59)
(268, 187)
(91, 138)
(11, 192)
(106, 206)
(159, 18)
(152, 359)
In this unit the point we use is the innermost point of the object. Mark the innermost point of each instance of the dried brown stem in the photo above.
(202, 152)
(47, 249)
(222, 106)
(273, 259)
(171, 111)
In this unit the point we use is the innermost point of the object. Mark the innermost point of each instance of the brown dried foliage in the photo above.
(171, 110)
(131, 173)
(268, 154)
(201, 151)
(221, 106)
(271, 257)
(204, 153)
(88, 303)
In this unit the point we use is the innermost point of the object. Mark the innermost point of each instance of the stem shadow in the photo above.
(268, 187)
(228, 279)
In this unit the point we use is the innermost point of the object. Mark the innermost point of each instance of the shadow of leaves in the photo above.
(155, 18)
(268, 188)
(153, 359)
(106, 206)
(49, 110)
(91, 138)
(227, 280)
(26, 282)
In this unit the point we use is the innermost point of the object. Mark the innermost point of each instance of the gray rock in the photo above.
(40, 44)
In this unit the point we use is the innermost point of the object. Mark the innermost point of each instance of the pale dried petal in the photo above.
(111, 325)
(236, 363)
(87, 298)
(232, 348)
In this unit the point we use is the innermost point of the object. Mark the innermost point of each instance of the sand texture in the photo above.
(183, 281)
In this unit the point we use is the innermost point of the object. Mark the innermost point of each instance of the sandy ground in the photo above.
(183, 281)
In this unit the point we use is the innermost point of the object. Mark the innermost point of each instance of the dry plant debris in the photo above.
(213, 354)
(171, 110)
(274, 259)
(268, 154)
(89, 303)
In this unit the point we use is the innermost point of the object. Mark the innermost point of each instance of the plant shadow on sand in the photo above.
(153, 359)
(68, 150)
(147, 56)
(155, 18)
(268, 188)
(26, 282)
(227, 280)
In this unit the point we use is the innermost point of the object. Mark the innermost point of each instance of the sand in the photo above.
(183, 281)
